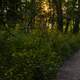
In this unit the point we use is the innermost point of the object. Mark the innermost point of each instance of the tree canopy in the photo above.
(41, 12)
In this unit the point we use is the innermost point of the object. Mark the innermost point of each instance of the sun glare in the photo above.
(45, 7)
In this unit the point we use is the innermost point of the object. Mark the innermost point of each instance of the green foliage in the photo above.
(34, 56)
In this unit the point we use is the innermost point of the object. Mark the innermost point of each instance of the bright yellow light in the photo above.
(66, 0)
(45, 7)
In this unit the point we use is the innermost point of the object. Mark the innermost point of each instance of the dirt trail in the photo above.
(71, 69)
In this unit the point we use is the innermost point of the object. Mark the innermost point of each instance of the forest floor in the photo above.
(70, 69)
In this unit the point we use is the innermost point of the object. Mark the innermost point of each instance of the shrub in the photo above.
(34, 56)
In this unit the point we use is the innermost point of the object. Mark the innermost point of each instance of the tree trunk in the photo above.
(59, 16)
(67, 23)
(76, 24)
(77, 19)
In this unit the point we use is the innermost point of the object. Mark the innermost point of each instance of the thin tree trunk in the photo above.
(76, 24)
(59, 16)
(77, 19)
(67, 23)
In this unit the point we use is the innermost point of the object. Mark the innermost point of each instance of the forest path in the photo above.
(71, 69)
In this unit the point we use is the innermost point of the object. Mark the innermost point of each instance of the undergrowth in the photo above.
(36, 55)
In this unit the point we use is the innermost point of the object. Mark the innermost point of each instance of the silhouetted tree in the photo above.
(76, 18)
(68, 18)
(58, 4)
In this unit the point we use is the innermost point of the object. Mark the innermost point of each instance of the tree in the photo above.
(58, 4)
(9, 11)
(68, 14)
(77, 17)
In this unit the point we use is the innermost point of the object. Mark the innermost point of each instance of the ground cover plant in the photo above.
(34, 56)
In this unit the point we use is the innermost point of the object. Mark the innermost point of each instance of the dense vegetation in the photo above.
(41, 14)
(36, 37)
(34, 56)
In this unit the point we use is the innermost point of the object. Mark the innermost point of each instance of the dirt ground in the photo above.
(71, 69)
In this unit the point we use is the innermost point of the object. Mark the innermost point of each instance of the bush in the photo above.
(34, 56)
